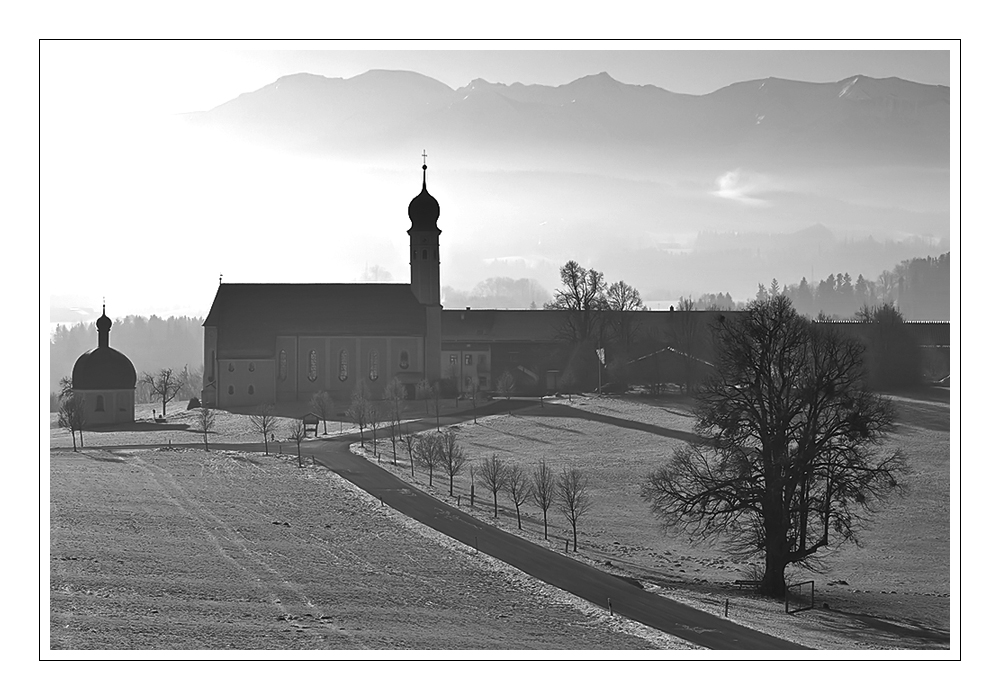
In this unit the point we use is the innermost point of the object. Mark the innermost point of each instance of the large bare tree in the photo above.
(583, 296)
(572, 497)
(297, 433)
(164, 384)
(794, 455)
(623, 300)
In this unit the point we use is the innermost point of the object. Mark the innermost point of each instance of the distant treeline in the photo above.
(151, 343)
(499, 293)
(919, 288)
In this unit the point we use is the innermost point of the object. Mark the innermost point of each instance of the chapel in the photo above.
(105, 379)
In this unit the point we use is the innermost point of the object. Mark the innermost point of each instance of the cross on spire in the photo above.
(424, 155)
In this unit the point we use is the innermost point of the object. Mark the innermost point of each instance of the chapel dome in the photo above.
(103, 367)
(424, 210)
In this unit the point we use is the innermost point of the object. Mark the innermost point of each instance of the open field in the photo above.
(892, 593)
(179, 549)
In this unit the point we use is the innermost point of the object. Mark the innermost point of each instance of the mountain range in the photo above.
(614, 171)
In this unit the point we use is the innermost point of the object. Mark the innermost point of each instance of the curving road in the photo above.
(546, 565)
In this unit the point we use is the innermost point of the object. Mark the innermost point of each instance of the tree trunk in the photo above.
(73, 433)
(574, 537)
(773, 583)
(495, 504)
(518, 509)
(545, 523)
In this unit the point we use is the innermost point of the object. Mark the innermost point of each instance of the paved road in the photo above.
(563, 572)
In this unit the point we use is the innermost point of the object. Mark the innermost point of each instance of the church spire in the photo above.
(103, 328)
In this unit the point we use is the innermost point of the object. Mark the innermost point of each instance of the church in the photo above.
(271, 343)
(276, 343)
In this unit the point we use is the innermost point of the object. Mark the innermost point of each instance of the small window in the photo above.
(250, 390)
(468, 359)
(283, 365)
(232, 367)
(342, 375)
(231, 390)
(313, 366)
(404, 360)
(414, 255)
(100, 403)
(373, 365)
(453, 359)
(252, 367)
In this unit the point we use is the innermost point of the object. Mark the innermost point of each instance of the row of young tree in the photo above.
(566, 492)
(161, 386)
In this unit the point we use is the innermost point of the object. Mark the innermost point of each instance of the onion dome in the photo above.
(103, 368)
(424, 210)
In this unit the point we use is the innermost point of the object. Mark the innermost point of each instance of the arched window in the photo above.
(342, 371)
(231, 390)
(100, 403)
(252, 367)
(232, 367)
(282, 365)
(404, 360)
(373, 365)
(250, 390)
(313, 366)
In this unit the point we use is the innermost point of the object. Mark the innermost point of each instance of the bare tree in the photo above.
(65, 388)
(204, 421)
(427, 450)
(623, 300)
(518, 488)
(394, 395)
(543, 491)
(493, 475)
(505, 385)
(794, 458)
(164, 384)
(572, 498)
(376, 417)
(359, 411)
(582, 295)
(297, 432)
(264, 421)
(452, 457)
(72, 416)
(424, 391)
(322, 406)
(410, 440)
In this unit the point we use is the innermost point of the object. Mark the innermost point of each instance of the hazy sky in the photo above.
(114, 173)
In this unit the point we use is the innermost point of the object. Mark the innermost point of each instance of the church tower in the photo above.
(425, 272)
